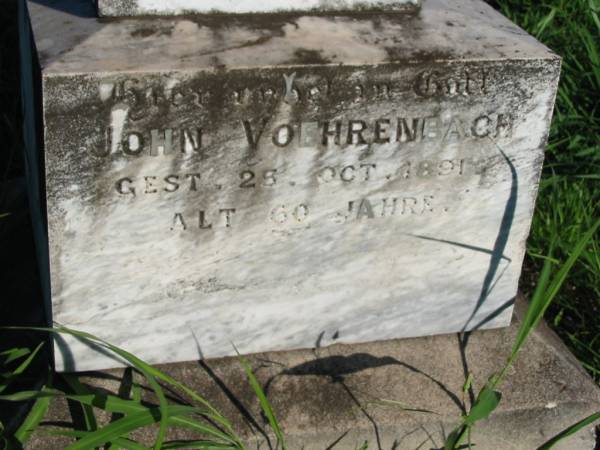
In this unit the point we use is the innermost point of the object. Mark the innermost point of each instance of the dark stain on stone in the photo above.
(264, 22)
(143, 32)
(422, 56)
(147, 31)
(450, 24)
(377, 23)
(307, 56)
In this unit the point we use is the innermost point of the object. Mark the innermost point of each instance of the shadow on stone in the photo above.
(497, 254)
(502, 238)
(79, 8)
(67, 356)
(338, 367)
(244, 412)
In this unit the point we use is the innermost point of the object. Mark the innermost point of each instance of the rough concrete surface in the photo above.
(329, 398)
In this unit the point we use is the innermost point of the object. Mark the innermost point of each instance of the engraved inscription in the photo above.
(223, 217)
(186, 141)
(435, 83)
(326, 133)
(304, 150)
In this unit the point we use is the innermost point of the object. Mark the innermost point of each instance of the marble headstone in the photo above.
(285, 181)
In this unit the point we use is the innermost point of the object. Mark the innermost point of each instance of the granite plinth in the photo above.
(119, 8)
(274, 181)
(330, 398)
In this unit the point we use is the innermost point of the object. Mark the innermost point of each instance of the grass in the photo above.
(550, 282)
(569, 195)
(130, 412)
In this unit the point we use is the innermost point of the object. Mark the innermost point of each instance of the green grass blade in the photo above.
(403, 406)
(128, 444)
(264, 402)
(455, 437)
(205, 445)
(109, 403)
(114, 404)
(534, 308)
(118, 428)
(209, 430)
(119, 443)
(22, 367)
(571, 430)
(136, 392)
(547, 290)
(148, 372)
(468, 383)
(163, 406)
(35, 416)
(25, 364)
(487, 401)
(29, 395)
(561, 276)
(152, 374)
(88, 411)
(13, 354)
(545, 22)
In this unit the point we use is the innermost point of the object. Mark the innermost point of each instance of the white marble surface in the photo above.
(444, 30)
(167, 7)
(295, 264)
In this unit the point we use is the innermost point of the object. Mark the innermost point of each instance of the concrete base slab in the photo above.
(330, 398)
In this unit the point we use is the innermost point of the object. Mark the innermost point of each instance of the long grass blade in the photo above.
(21, 368)
(205, 445)
(403, 406)
(109, 403)
(114, 404)
(119, 443)
(88, 411)
(151, 374)
(34, 418)
(209, 430)
(547, 290)
(571, 430)
(13, 354)
(127, 424)
(264, 402)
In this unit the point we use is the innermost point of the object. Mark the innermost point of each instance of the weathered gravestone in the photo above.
(272, 181)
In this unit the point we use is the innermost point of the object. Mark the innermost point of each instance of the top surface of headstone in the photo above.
(443, 30)
(119, 8)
